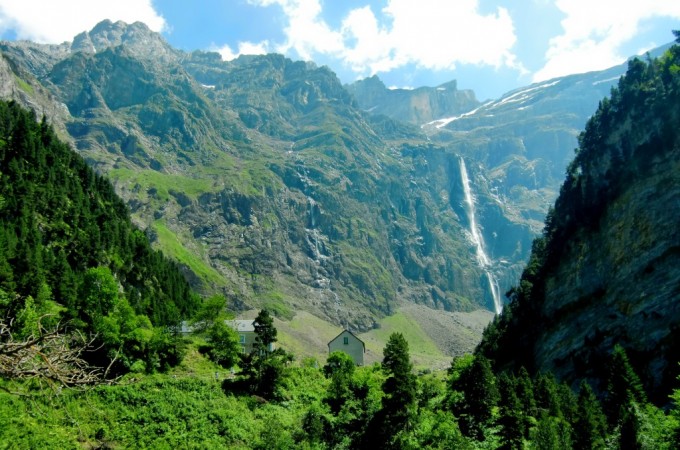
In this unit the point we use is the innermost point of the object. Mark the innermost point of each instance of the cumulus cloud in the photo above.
(55, 22)
(594, 32)
(432, 34)
(307, 34)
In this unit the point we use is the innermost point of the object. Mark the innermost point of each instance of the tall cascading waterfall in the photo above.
(478, 239)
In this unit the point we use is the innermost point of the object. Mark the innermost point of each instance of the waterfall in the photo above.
(312, 219)
(478, 239)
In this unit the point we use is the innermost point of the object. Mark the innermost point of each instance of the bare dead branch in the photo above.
(51, 355)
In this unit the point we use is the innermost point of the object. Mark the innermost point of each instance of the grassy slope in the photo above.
(308, 336)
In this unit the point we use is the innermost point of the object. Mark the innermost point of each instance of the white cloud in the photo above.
(244, 48)
(58, 21)
(306, 32)
(433, 34)
(594, 32)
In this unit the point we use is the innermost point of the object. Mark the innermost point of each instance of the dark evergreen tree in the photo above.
(590, 425)
(264, 368)
(394, 419)
(511, 417)
(400, 386)
(551, 433)
(675, 415)
(265, 331)
(475, 411)
(623, 388)
(525, 393)
(547, 399)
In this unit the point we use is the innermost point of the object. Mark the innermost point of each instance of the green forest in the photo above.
(91, 354)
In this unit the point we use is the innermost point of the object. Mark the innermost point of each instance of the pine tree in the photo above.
(265, 331)
(393, 421)
(263, 369)
(511, 418)
(400, 386)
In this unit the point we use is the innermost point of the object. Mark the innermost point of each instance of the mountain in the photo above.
(416, 106)
(260, 176)
(268, 182)
(605, 272)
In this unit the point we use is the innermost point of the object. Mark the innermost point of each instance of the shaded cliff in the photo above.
(607, 269)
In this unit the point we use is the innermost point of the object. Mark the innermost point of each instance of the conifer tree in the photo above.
(511, 418)
(264, 368)
(480, 396)
(623, 387)
(400, 386)
(390, 425)
(265, 331)
(590, 426)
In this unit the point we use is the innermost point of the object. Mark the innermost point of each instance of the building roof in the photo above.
(353, 335)
(185, 327)
(242, 325)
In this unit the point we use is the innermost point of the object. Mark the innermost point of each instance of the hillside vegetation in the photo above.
(71, 259)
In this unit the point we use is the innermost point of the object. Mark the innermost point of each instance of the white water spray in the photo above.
(478, 239)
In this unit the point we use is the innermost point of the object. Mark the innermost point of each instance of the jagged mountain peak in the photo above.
(136, 38)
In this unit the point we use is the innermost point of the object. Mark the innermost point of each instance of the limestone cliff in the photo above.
(416, 106)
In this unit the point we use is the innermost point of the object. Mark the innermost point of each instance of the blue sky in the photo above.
(490, 46)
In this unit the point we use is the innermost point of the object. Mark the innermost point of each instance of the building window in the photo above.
(242, 338)
(345, 340)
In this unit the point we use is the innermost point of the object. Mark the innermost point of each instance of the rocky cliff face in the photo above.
(608, 269)
(620, 284)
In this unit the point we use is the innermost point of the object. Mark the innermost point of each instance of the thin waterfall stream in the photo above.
(478, 239)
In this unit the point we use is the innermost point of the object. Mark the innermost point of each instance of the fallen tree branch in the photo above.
(51, 355)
